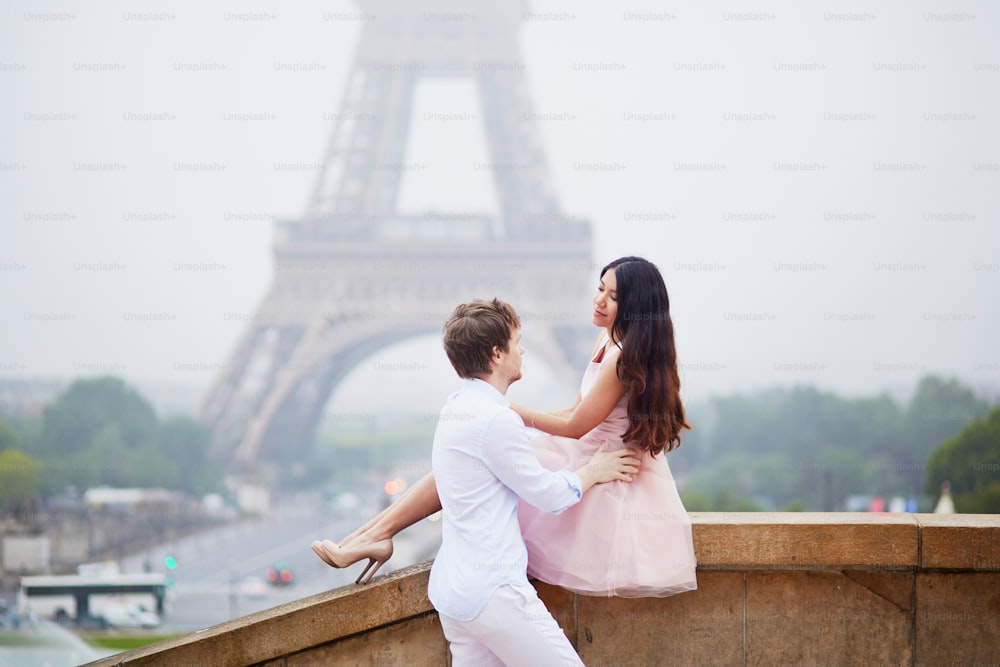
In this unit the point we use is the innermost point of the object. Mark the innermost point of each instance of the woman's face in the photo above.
(606, 300)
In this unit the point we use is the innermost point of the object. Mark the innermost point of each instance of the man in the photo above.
(482, 464)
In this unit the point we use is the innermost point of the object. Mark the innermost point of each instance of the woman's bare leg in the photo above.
(418, 502)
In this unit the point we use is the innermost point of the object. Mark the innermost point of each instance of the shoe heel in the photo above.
(362, 579)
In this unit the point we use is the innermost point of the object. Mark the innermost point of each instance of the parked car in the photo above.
(253, 587)
(280, 574)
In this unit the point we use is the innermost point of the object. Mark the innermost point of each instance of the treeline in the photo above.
(102, 432)
(797, 448)
(970, 463)
(805, 449)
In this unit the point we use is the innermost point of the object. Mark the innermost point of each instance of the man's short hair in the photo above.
(473, 330)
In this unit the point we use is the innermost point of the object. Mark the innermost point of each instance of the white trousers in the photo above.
(514, 629)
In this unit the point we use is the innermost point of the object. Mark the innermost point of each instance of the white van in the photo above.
(125, 614)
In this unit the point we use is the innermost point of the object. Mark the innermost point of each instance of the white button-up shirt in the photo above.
(482, 464)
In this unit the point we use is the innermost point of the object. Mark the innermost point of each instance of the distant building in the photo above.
(25, 553)
(133, 502)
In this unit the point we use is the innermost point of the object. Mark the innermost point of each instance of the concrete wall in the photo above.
(773, 589)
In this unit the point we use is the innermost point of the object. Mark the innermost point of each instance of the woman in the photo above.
(627, 539)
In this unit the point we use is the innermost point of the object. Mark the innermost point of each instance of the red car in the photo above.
(279, 575)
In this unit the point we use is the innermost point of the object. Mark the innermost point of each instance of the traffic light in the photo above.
(170, 562)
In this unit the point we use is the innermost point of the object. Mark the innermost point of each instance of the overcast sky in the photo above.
(819, 183)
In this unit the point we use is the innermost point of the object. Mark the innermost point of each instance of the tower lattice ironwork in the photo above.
(353, 274)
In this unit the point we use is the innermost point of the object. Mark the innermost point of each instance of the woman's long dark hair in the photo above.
(648, 362)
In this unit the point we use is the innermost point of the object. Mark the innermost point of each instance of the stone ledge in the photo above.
(960, 541)
(391, 619)
(738, 540)
(846, 540)
(294, 626)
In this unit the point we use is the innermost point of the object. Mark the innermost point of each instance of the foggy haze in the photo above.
(819, 184)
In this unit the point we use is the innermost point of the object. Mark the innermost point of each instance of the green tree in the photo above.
(971, 463)
(184, 443)
(20, 479)
(8, 438)
(723, 500)
(103, 432)
(86, 408)
(102, 460)
(804, 445)
(938, 410)
(696, 500)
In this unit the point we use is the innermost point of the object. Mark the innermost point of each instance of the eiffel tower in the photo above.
(354, 275)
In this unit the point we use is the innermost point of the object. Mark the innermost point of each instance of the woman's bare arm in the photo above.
(589, 411)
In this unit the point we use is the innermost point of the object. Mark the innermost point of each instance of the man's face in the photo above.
(509, 362)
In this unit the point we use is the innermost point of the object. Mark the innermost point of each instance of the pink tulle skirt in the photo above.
(630, 539)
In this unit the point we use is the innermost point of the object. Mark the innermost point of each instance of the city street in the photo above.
(220, 575)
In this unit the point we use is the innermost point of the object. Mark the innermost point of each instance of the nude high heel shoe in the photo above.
(334, 555)
(318, 549)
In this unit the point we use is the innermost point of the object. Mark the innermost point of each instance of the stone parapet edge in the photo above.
(723, 542)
